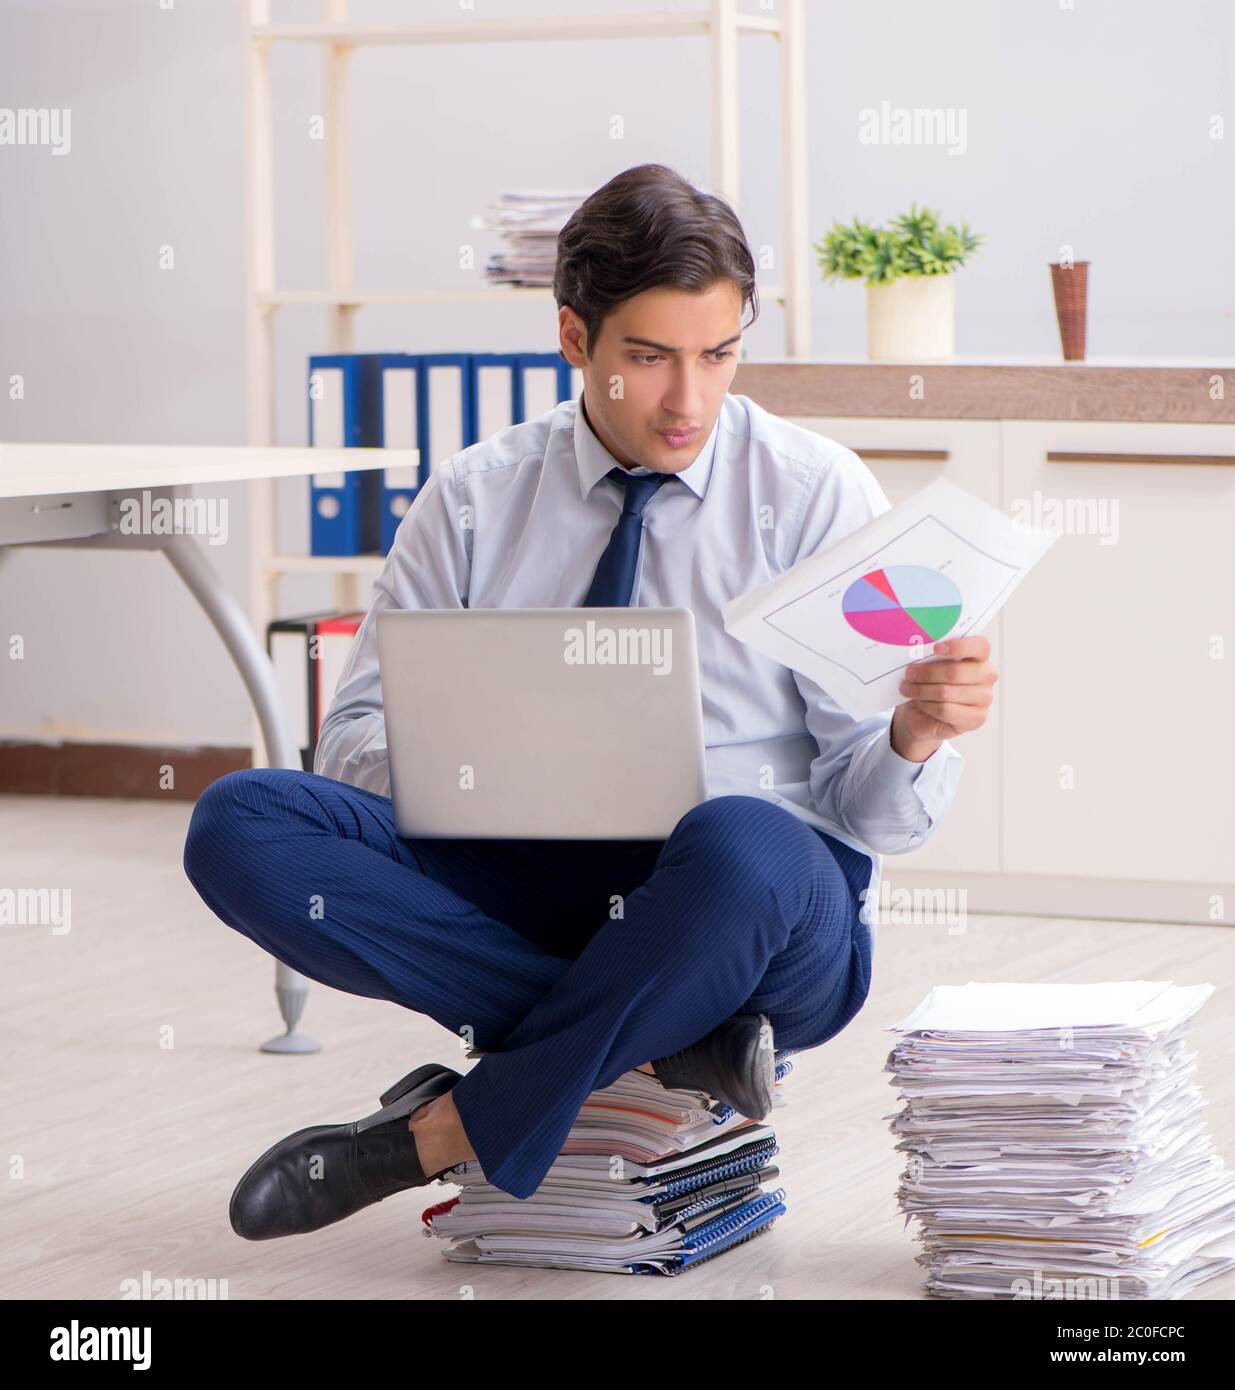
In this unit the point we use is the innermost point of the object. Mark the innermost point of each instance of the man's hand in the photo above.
(947, 698)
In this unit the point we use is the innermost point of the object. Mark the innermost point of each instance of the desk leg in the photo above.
(230, 622)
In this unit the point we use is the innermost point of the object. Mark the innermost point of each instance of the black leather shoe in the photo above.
(319, 1175)
(736, 1063)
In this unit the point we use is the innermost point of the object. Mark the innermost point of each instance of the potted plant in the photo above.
(907, 265)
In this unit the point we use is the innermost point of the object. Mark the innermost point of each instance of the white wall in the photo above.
(1088, 126)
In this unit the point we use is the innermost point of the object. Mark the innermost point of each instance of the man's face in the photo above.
(662, 363)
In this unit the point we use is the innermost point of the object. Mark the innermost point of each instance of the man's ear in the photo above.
(572, 334)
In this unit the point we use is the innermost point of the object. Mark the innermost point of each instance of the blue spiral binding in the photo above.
(706, 1237)
(762, 1229)
(717, 1199)
(754, 1156)
(721, 1234)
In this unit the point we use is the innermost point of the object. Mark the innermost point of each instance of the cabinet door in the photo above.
(906, 455)
(1118, 695)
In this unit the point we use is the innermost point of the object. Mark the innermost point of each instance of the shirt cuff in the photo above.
(933, 780)
(896, 787)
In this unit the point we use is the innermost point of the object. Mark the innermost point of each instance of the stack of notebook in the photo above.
(649, 1181)
(529, 222)
(1056, 1142)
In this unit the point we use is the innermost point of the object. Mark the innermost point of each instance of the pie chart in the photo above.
(902, 605)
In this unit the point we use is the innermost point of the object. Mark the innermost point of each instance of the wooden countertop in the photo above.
(1180, 392)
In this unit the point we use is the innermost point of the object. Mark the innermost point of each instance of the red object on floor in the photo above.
(430, 1212)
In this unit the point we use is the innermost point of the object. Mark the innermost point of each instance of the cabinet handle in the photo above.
(1057, 456)
(929, 455)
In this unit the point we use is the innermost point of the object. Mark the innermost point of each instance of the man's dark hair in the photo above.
(648, 227)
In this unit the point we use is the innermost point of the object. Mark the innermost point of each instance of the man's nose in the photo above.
(684, 397)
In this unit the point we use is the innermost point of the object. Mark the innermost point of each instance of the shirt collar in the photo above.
(594, 460)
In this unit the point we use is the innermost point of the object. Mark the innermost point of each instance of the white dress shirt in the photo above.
(520, 521)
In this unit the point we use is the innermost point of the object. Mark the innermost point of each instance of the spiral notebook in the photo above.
(690, 1185)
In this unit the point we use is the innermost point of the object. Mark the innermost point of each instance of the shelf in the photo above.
(337, 38)
(492, 295)
(531, 28)
(322, 564)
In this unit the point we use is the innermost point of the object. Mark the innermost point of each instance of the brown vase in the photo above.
(1071, 286)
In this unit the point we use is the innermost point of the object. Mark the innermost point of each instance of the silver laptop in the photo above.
(542, 723)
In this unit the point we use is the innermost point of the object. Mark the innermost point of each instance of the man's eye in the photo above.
(656, 357)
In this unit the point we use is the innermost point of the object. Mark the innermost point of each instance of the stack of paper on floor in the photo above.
(1057, 1146)
(650, 1181)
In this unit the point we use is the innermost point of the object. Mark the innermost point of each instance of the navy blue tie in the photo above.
(614, 580)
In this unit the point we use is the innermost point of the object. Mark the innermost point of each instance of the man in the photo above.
(655, 488)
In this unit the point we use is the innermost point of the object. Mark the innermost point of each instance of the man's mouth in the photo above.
(678, 439)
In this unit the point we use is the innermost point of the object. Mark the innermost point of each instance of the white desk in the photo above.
(77, 494)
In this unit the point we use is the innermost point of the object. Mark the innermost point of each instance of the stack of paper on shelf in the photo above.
(529, 222)
(1056, 1142)
(649, 1181)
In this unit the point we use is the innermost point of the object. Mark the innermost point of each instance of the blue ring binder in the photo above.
(343, 506)
(360, 513)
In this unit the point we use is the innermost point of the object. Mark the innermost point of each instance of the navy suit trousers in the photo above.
(568, 962)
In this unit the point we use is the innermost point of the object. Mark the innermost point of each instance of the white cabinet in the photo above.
(1119, 681)
(906, 455)
(1103, 783)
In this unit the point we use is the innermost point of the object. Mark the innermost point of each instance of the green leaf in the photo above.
(913, 243)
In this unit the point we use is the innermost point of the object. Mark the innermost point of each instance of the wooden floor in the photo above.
(134, 1093)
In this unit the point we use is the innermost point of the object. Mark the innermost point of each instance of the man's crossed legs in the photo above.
(567, 962)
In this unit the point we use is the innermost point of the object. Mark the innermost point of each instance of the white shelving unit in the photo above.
(718, 21)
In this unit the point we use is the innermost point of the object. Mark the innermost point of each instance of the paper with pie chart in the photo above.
(853, 617)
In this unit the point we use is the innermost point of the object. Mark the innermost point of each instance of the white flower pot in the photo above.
(911, 319)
